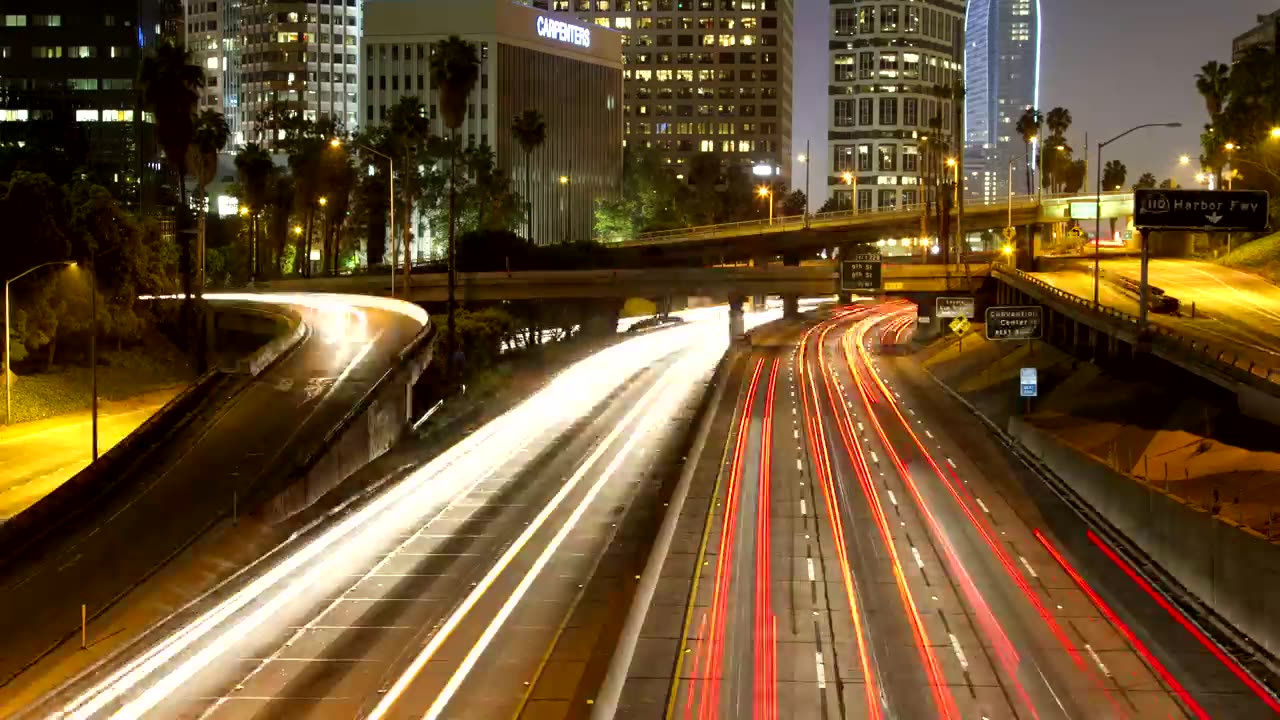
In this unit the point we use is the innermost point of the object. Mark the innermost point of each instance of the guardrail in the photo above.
(1164, 341)
(793, 222)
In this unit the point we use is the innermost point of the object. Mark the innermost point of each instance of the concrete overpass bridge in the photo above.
(722, 284)
(804, 234)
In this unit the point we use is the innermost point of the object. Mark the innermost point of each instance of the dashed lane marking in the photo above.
(1027, 565)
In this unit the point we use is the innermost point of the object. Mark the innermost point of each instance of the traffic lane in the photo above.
(566, 609)
(1219, 328)
(917, 584)
(1016, 501)
(818, 666)
(185, 488)
(901, 662)
(332, 651)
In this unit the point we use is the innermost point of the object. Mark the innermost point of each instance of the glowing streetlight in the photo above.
(297, 229)
(323, 201)
(1230, 146)
(951, 162)
(564, 179)
(1275, 133)
(765, 192)
(244, 211)
(335, 143)
(1185, 160)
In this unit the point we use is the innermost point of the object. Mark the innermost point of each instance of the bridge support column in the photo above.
(737, 323)
(790, 306)
(759, 302)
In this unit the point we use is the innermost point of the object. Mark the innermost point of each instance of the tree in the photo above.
(1146, 182)
(410, 135)
(529, 130)
(1212, 82)
(1028, 127)
(795, 203)
(255, 170)
(650, 198)
(171, 85)
(1168, 184)
(209, 137)
(1113, 175)
(455, 69)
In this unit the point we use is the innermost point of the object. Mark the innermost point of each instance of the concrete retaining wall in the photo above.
(1234, 570)
(369, 430)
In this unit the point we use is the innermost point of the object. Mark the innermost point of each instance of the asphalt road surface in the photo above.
(456, 592)
(97, 556)
(1235, 311)
(917, 568)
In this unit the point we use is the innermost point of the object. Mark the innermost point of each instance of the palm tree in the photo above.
(409, 131)
(254, 166)
(170, 85)
(1058, 120)
(1113, 174)
(1146, 182)
(529, 130)
(1212, 82)
(455, 69)
(1029, 128)
(210, 136)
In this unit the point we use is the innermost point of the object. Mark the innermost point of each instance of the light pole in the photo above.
(566, 199)
(8, 330)
(851, 180)
(324, 212)
(805, 158)
(766, 193)
(1097, 216)
(391, 200)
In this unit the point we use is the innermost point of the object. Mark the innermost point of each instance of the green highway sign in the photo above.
(861, 273)
(1240, 210)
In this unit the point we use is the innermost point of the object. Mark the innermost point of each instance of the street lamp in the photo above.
(765, 192)
(1185, 160)
(848, 179)
(391, 204)
(8, 330)
(1097, 219)
(806, 159)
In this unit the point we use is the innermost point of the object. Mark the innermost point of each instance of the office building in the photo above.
(1002, 80)
(292, 56)
(570, 72)
(702, 76)
(72, 66)
(892, 68)
(1264, 35)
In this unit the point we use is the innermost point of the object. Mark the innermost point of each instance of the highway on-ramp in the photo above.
(101, 553)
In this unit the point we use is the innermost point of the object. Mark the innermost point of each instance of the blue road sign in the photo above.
(1028, 383)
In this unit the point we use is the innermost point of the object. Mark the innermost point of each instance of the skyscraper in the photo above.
(893, 69)
(702, 76)
(1002, 79)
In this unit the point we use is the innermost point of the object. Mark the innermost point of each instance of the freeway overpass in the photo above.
(732, 284)
(801, 234)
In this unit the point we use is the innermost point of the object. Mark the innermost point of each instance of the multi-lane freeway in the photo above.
(873, 552)
(461, 591)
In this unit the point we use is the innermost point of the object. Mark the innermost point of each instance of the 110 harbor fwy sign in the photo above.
(564, 32)
(1239, 210)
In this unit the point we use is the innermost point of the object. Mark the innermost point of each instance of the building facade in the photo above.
(702, 76)
(570, 72)
(893, 67)
(292, 56)
(1265, 35)
(70, 67)
(1002, 79)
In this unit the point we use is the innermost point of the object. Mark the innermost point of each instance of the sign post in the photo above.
(861, 273)
(960, 326)
(1028, 385)
(1211, 210)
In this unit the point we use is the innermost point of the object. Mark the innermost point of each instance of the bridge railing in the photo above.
(792, 222)
(1167, 342)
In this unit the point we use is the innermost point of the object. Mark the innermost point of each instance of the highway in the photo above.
(465, 589)
(873, 552)
(101, 554)
(1235, 311)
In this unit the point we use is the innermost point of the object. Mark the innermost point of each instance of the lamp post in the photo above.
(767, 193)
(324, 212)
(8, 330)
(1097, 217)
(806, 159)
(954, 164)
(851, 180)
(391, 200)
(566, 200)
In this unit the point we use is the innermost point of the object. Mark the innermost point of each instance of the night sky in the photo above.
(1113, 63)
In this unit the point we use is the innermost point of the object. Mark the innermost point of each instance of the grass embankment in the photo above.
(152, 366)
(1261, 256)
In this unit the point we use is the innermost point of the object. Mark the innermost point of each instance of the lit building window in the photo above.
(86, 116)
